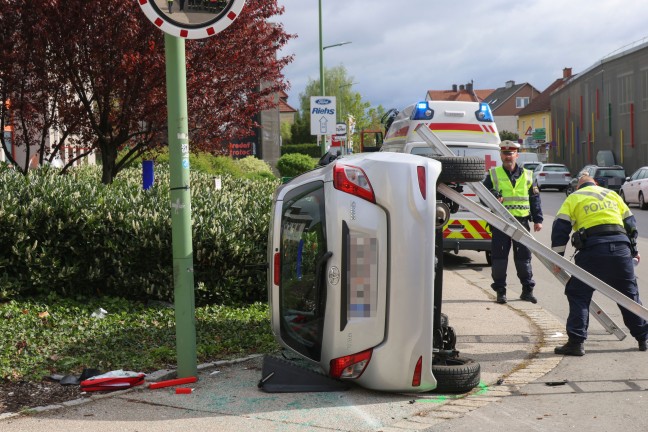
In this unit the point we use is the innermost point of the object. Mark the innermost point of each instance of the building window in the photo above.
(625, 93)
(521, 102)
(644, 90)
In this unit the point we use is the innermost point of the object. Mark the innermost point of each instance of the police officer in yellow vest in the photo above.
(513, 186)
(605, 237)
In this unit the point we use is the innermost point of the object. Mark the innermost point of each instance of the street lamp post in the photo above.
(322, 143)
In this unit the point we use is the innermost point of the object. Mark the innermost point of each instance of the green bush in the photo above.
(74, 236)
(293, 164)
(312, 150)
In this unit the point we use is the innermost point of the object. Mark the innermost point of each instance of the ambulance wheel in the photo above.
(456, 169)
(489, 258)
(456, 375)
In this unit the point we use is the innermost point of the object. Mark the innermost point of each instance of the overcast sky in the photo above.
(401, 49)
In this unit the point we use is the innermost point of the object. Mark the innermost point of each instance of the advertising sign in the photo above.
(323, 113)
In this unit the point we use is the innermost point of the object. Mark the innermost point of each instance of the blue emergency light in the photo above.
(484, 113)
(422, 112)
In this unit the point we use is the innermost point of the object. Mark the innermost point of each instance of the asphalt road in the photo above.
(603, 391)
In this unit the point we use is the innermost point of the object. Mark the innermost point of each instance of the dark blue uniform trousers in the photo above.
(500, 248)
(612, 263)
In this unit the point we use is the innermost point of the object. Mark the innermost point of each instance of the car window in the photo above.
(643, 174)
(555, 168)
(611, 173)
(639, 174)
(302, 297)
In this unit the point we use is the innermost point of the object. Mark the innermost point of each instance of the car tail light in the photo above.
(420, 172)
(542, 174)
(416, 379)
(277, 268)
(351, 366)
(354, 181)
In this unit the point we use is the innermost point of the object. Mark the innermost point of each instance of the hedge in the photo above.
(312, 150)
(74, 236)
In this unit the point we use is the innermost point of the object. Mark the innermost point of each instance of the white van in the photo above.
(468, 129)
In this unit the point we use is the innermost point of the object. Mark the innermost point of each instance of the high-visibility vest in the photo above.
(592, 206)
(515, 198)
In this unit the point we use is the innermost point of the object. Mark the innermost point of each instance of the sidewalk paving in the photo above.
(513, 344)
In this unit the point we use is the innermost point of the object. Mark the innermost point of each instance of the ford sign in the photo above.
(323, 101)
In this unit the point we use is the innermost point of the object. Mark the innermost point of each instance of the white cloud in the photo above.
(401, 49)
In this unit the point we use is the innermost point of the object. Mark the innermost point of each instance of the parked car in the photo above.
(530, 165)
(351, 286)
(610, 177)
(635, 188)
(551, 175)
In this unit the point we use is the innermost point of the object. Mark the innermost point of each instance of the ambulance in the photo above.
(466, 128)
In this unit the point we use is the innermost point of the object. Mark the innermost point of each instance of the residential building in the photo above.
(458, 93)
(534, 120)
(506, 102)
(286, 112)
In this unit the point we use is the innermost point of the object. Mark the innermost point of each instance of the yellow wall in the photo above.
(535, 121)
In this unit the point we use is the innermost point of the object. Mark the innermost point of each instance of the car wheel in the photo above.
(456, 169)
(622, 195)
(642, 202)
(456, 375)
(569, 190)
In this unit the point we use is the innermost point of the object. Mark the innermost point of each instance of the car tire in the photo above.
(456, 375)
(642, 202)
(444, 320)
(569, 190)
(456, 169)
(622, 195)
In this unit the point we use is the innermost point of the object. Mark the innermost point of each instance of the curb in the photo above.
(541, 361)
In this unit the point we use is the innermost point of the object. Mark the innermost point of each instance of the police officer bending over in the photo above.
(513, 186)
(605, 237)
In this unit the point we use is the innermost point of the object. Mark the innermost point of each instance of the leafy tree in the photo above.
(349, 102)
(506, 135)
(107, 61)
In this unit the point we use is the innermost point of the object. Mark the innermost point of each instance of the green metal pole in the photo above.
(322, 140)
(183, 280)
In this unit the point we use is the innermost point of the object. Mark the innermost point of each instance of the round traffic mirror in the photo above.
(192, 19)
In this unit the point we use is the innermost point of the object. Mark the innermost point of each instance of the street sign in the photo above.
(529, 131)
(196, 20)
(323, 113)
(539, 134)
(341, 129)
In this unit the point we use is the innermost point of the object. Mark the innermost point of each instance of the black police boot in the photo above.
(501, 297)
(643, 345)
(527, 295)
(571, 348)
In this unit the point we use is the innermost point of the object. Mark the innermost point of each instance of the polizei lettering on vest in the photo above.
(322, 111)
(597, 206)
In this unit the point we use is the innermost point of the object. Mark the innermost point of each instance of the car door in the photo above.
(642, 184)
(632, 187)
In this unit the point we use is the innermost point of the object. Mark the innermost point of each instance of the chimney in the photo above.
(567, 72)
(469, 87)
(510, 83)
(454, 88)
(461, 87)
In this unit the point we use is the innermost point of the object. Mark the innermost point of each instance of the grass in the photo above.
(39, 337)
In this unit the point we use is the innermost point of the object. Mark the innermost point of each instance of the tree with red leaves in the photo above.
(104, 62)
